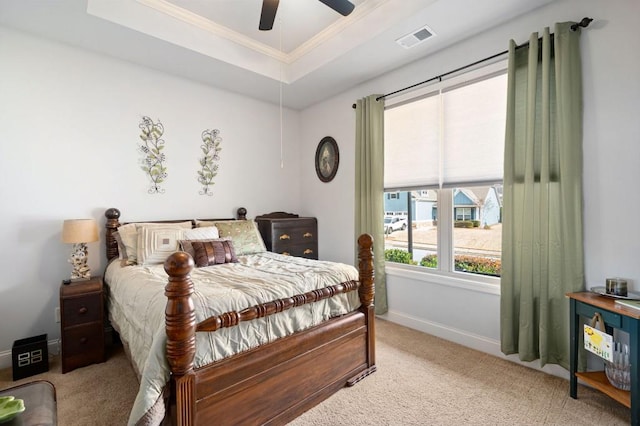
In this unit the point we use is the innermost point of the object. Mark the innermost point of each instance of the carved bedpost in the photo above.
(241, 213)
(181, 333)
(366, 291)
(111, 226)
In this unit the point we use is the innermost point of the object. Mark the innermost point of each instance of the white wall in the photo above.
(68, 149)
(448, 308)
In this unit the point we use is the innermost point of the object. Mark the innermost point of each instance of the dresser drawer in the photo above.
(300, 250)
(301, 233)
(82, 309)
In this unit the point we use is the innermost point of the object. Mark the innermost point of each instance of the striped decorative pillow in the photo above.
(187, 244)
(209, 253)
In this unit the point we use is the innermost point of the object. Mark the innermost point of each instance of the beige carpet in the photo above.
(421, 380)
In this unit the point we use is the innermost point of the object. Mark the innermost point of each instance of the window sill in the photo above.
(478, 283)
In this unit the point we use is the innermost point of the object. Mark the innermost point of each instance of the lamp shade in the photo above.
(79, 231)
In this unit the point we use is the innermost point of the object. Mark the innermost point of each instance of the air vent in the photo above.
(415, 37)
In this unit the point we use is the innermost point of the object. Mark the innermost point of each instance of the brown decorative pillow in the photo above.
(208, 253)
(186, 246)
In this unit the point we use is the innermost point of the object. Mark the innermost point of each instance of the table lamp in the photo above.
(79, 232)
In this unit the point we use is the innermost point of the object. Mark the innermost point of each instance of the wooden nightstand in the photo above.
(288, 234)
(82, 323)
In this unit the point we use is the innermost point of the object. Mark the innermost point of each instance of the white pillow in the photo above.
(156, 244)
(129, 236)
(204, 233)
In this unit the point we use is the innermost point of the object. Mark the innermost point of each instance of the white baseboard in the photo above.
(53, 346)
(461, 337)
(470, 340)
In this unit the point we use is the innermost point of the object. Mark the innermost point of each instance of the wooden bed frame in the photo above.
(276, 382)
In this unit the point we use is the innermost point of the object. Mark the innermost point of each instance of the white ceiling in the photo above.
(315, 52)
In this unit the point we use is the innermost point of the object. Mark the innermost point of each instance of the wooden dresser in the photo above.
(82, 323)
(289, 234)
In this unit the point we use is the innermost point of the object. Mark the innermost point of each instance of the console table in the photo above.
(586, 304)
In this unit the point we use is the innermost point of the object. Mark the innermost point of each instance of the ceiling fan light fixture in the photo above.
(343, 7)
(270, 7)
(268, 14)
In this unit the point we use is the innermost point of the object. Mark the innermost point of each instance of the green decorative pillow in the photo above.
(244, 234)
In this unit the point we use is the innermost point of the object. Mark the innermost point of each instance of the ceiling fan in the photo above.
(270, 7)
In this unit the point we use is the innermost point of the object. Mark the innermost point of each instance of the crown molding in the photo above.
(334, 29)
(205, 24)
(305, 48)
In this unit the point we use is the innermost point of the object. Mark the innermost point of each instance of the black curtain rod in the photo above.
(584, 24)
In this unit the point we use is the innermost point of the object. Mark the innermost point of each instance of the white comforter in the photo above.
(137, 304)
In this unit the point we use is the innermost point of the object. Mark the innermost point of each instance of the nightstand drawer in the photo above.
(83, 339)
(82, 345)
(83, 309)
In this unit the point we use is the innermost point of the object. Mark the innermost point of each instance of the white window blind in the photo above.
(411, 144)
(474, 118)
(450, 138)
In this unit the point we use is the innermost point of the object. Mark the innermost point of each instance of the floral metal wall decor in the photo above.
(153, 160)
(211, 148)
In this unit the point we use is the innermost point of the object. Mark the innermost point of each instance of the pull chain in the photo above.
(280, 100)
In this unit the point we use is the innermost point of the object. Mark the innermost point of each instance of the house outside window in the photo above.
(463, 213)
(444, 160)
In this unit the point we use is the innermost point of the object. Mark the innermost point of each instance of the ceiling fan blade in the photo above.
(343, 7)
(268, 15)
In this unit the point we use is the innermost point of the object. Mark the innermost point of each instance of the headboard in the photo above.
(113, 216)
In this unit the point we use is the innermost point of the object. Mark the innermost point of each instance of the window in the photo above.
(444, 160)
(463, 213)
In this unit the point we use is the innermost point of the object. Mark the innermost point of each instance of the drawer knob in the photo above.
(308, 251)
(286, 253)
(83, 310)
(285, 237)
(308, 235)
(83, 340)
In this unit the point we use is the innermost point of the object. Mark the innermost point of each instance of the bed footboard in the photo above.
(357, 340)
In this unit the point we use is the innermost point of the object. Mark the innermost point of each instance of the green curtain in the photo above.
(542, 252)
(369, 206)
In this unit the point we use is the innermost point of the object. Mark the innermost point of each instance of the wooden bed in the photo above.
(273, 383)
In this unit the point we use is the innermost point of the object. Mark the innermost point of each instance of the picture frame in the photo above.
(327, 159)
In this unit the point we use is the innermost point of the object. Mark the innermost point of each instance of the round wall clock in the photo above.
(327, 159)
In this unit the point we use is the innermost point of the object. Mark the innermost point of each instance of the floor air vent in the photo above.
(415, 37)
